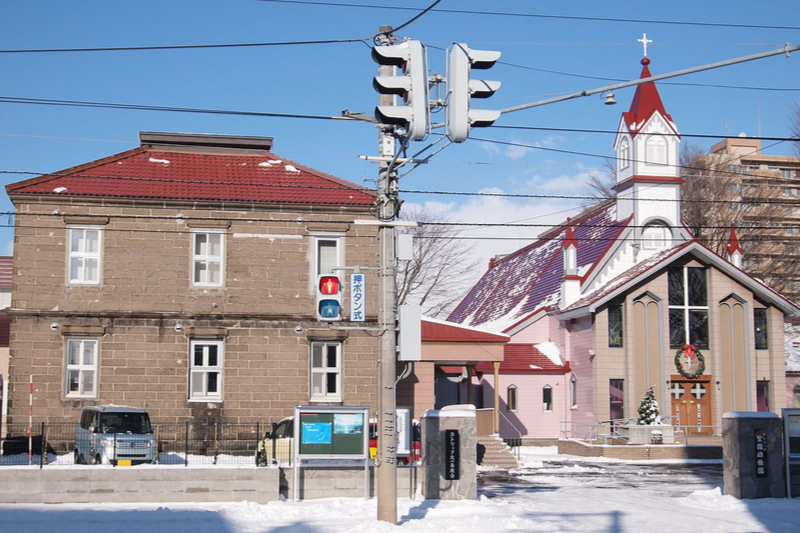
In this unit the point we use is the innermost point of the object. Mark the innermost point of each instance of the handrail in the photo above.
(621, 429)
(515, 449)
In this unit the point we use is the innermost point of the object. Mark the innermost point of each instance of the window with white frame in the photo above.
(547, 399)
(656, 236)
(326, 371)
(84, 255)
(205, 370)
(511, 398)
(208, 258)
(656, 150)
(688, 307)
(624, 154)
(573, 391)
(81, 368)
(326, 255)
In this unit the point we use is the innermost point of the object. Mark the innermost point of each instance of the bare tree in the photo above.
(717, 193)
(600, 186)
(442, 269)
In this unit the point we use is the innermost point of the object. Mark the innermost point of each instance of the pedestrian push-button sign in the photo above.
(329, 298)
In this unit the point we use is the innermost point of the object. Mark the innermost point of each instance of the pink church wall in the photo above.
(530, 417)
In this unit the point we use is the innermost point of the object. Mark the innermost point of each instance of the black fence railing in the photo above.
(64, 443)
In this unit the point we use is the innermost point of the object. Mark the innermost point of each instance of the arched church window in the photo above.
(624, 154)
(656, 237)
(656, 151)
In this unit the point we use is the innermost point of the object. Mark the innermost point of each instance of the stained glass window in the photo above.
(615, 328)
(688, 307)
(760, 323)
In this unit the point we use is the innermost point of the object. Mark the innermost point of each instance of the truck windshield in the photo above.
(125, 423)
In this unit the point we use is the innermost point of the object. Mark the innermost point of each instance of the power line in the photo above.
(539, 15)
(178, 46)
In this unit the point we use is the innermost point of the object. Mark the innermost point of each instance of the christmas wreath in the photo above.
(692, 353)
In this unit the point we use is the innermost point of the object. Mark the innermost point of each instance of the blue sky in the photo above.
(544, 53)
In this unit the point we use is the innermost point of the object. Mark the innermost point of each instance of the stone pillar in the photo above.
(449, 453)
(752, 455)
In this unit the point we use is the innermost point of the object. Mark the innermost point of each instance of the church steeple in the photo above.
(648, 151)
(734, 252)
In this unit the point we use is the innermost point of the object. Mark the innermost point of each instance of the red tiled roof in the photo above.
(524, 358)
(153, 172)
(433, 331)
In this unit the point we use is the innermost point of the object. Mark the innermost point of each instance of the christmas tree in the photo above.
(648, 409)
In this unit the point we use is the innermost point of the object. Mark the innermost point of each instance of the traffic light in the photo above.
(461, 88)
(329, 298)
(412, 86)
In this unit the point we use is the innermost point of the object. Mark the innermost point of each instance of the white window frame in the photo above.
(317, 259)
(321, 372)
(208, 259)
(573, 391)
(512, 398)
(77, 260)
(656, 150)
(545, 407)
(625, 154)
(81, 368)
(199, 373)
(656, 236)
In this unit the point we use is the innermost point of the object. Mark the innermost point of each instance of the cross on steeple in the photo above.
(644, 40)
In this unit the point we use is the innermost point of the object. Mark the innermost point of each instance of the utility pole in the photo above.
(388, 205)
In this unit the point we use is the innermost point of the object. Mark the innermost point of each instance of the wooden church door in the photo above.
(691, 404)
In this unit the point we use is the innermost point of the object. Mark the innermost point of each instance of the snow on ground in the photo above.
(574, 499)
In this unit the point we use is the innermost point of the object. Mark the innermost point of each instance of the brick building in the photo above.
(179, 277)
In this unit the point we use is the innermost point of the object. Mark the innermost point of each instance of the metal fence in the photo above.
(60, 443)
(621, 432)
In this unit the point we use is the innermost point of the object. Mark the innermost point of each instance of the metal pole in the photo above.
(786, 50)
(386, 461)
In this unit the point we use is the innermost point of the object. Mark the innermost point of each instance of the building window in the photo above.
(511, 398)
(84, 255)
(760, 324)
(573, 392)
(81, 371)
(327, 255)
(616, 399)
(326, 371)
(205, 380)
(688, 307)
(656, 237)
(656, 151)
(624, 154)
(547, 399)
(615, 328)
(796, 397)
(208, 258)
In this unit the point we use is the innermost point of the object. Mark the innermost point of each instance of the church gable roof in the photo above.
(529, 280)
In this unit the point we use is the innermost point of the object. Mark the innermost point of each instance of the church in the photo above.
(621, 299)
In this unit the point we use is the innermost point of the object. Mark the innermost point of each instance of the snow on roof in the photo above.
(172, 173)
(529, 280)
(529, 359)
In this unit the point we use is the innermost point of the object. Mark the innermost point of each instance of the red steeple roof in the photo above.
(645, 103)
(733, 242)
(569, 238)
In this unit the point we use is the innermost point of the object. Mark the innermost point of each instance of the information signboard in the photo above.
(331, 436)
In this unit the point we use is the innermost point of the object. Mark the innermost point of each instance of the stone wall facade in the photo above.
(145, 312)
